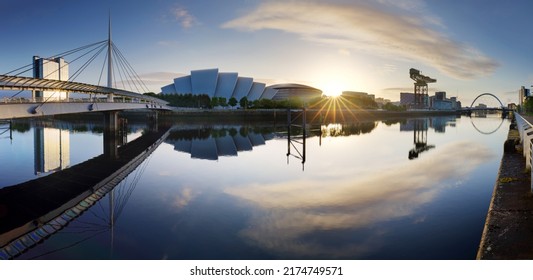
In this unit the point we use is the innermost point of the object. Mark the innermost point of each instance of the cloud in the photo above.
(402, 30)
(183, 16)
(300, 208)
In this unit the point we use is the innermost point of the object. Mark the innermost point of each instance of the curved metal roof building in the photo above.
(228, 85)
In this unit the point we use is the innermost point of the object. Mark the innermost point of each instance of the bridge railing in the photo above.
(11, 100)
(525, 129)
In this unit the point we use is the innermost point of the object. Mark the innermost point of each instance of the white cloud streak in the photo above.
(183, 16)
(404, 31)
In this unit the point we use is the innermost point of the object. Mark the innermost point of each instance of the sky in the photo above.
(470, 47)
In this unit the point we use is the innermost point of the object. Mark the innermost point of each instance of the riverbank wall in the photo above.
(313, 116)
(508, 230)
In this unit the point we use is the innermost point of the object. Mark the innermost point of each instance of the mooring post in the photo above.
(304, 131)
(288, 133)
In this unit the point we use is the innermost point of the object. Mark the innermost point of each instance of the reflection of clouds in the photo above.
(183, 198)
(296, 209)
(164, 173)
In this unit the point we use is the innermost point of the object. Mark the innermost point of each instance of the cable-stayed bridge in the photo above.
(11, 108)
(54, 91)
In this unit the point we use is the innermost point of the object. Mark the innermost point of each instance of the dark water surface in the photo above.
(225, 191)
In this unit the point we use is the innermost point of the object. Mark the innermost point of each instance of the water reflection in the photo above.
(420, 130)
(337, 129)
(33, 210)
(483, 130)
(292, 214)
(215, 141)
(51, 148)
(210, 143)
(358, 191)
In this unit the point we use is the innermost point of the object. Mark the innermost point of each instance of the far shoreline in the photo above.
(314, 116)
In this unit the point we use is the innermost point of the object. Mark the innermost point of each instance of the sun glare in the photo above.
(332, 89)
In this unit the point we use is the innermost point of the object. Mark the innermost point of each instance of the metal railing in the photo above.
(23, 100)
(525, 129)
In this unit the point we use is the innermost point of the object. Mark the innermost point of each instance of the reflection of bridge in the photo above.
(34, 210)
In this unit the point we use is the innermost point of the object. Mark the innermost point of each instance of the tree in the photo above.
(391, 107)
(214, 102)
(244, 102)
(222, 102)
(528, 105)
(232, 102)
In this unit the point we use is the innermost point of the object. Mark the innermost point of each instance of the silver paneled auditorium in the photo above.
(229, 84)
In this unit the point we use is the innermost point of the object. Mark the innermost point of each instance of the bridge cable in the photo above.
(77, 73)
(58, 55)
(125, 69)
(120, 73)
(85, 65)
(102, 71)
(131, 80)
(68, 53)
(132, 69)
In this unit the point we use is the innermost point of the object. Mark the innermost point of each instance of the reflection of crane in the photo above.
(421, 87)
(420, 139)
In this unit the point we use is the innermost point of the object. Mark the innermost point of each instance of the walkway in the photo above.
(508, 232)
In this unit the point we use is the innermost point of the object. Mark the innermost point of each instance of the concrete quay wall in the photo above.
(508, 231)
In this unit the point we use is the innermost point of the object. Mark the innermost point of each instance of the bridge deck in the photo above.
(28, 110)
(11, 108)
(31, 84)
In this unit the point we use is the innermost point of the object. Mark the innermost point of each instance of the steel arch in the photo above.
(483, 94)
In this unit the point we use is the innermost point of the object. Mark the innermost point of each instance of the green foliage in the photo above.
(20, 127)
(391, 107)
(360, 102)
(232, 102)
(185, 100)
(264, 104)
(244, 102)
(222, 102)
(277, 104)
(214, 102)
(528, 105)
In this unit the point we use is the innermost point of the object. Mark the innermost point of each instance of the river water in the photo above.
(394, 189)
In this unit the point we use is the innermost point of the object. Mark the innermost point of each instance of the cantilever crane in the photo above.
(421, 87)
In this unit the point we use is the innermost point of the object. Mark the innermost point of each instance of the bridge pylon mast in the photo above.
(109, 62)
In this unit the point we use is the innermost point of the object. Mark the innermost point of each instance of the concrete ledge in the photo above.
(508, 232)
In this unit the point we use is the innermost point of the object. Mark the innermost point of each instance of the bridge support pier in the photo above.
(153, 120)
(111, 139)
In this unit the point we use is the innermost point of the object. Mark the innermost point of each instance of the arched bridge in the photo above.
(21, 107)
(489, 94)
(468, 111)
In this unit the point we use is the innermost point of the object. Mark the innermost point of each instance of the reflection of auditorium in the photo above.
(211, 143)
